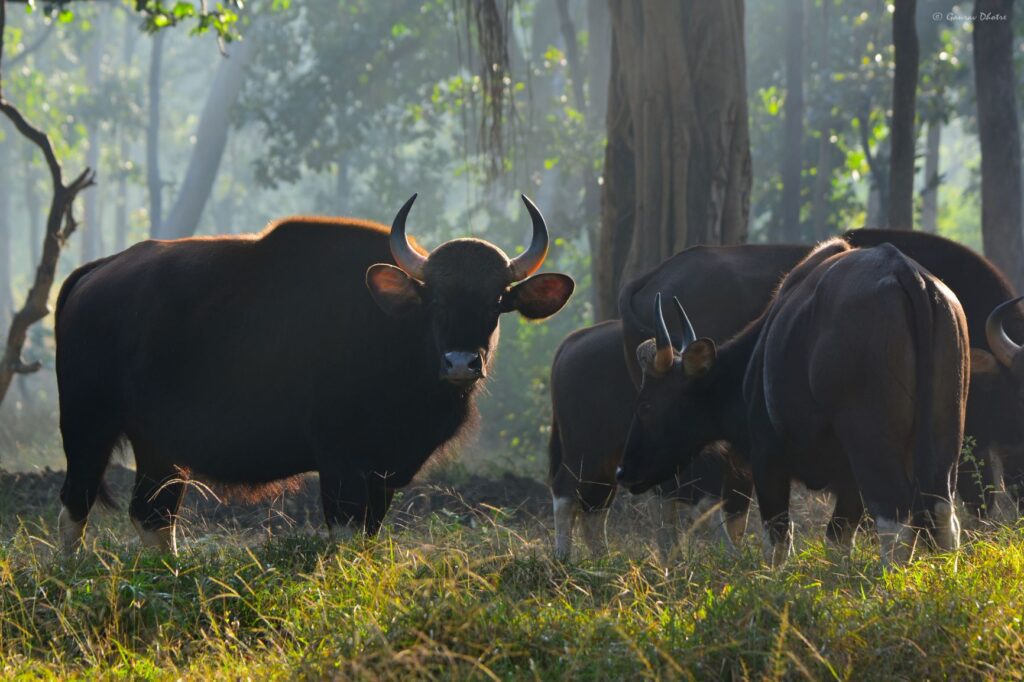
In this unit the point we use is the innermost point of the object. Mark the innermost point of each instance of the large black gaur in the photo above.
(319, 344)
(853, 379)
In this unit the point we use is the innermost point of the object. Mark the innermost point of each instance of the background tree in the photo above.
(904, 101)
(790, 229)
(999, 131)
(677, 165)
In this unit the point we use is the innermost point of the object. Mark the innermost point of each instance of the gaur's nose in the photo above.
(618, 474)
(462, 367)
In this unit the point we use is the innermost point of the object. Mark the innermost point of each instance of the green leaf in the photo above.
(66, 16)
(183, 10)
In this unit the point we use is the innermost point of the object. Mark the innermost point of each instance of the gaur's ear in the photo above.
(539, 296)
(394, 291)
(699, 358)
(983, 363)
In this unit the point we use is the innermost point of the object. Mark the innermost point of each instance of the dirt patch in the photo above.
(470, 499)
(510, 496)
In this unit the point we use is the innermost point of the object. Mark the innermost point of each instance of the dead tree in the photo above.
(60, 224)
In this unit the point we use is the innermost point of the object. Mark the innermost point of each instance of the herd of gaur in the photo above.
(338, 346)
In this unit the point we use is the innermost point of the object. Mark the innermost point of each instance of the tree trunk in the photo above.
(904, 98)
(211, 138)
(35, 237)
(823, 171)
(572, 52)
(153, 180)
(617, 196)
(822, 186)
(930, 193)
(131, 34)
(790, 229)
(6, 273)
(599, 46)
(878, 191)
(91, 234)
(599, 30)
(999, 131)
(677, 128)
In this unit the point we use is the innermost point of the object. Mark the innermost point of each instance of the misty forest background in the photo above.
(780, 125)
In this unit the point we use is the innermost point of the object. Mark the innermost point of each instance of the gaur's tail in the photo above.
(554, 450)
(920, 294)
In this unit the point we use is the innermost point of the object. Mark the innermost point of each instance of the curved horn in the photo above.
(666, 354)
(689, 336)
(1003, 347)
(529, 261)
(405, 256)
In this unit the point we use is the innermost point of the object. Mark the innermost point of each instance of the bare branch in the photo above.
(21, 368)
(60, 224)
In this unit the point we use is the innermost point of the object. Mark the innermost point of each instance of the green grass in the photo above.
(450, 601)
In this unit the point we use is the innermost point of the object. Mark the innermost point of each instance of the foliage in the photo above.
(446, 600)
(848, 81)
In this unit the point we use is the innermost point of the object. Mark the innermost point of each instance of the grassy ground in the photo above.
(450, 598)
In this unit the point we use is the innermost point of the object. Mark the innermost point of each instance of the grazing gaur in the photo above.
(854, 379)
(591, 406)
(319, 344)
(725, 287)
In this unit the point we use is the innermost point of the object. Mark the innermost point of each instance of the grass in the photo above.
(443, 599)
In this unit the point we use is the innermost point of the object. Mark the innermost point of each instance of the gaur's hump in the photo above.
(296, 227)
(818, 255)
(829, 248)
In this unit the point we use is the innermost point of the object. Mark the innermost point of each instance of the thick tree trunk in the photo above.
(904, 99)
(677, 127)
(211, 138)
(790, 228)
(154, 182)
(999, 131)
(930, 193)
(618, 202)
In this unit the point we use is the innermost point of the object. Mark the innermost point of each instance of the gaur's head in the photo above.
(672, 420)
(1007, 351)
(997, 384)
(461, 288)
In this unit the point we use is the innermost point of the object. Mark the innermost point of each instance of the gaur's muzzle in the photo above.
(462, 368)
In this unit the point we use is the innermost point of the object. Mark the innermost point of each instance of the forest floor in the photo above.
(460, 584)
